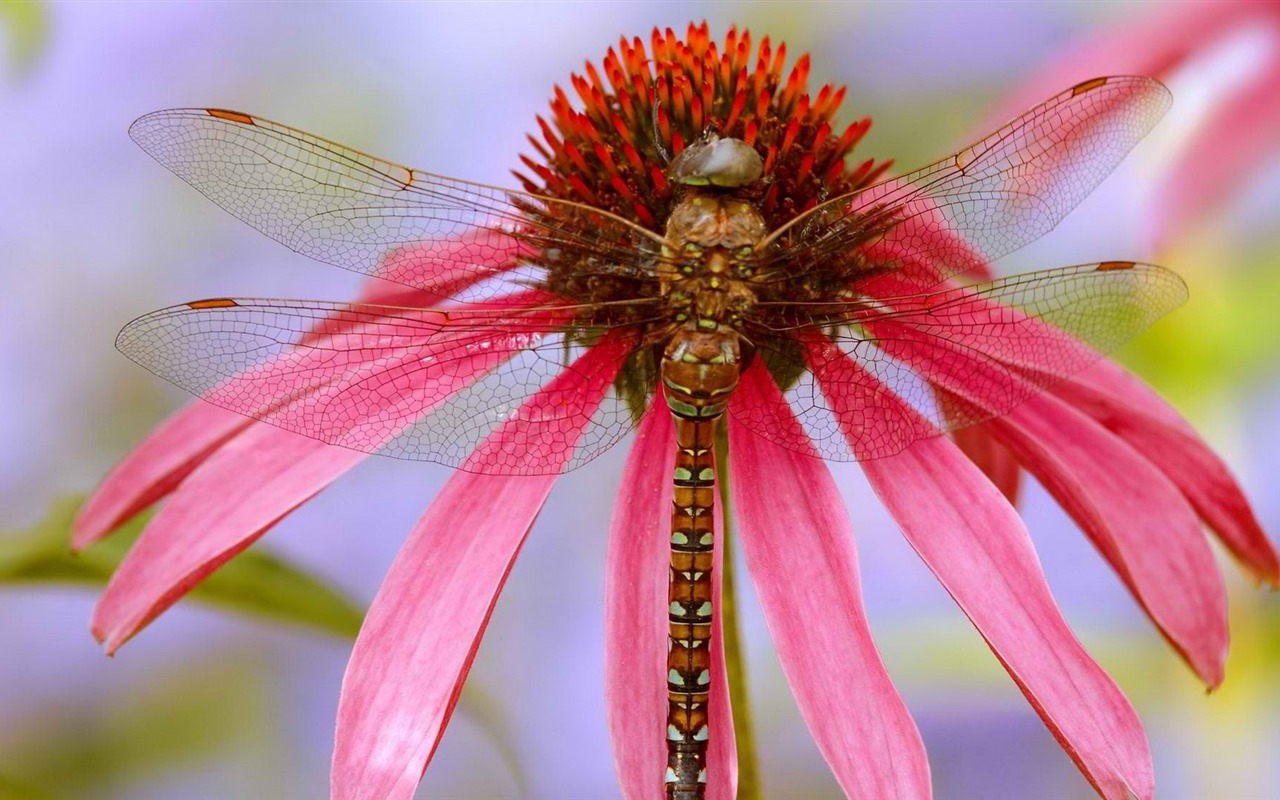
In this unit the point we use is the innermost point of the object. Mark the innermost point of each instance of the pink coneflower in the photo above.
(756, 281)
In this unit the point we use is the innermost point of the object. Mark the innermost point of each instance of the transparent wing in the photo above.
(346, 208)
(868, 379)
(996, 195)
(409, 383)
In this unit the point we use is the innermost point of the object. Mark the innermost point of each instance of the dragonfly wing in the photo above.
(996, 195)
(868, 380)
(353, 210)
(409, 383)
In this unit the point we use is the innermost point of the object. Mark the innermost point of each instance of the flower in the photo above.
(1129, 470)
(1223, 61)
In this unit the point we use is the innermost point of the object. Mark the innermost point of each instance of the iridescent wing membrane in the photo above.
(866, 379)
(347, 208)
(410, 383)
(999, 194)
(554, 384)
(418, 384)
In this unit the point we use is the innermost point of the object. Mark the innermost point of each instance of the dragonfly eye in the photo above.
(727, 163)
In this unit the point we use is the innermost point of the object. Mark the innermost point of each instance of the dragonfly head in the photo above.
(726, 163)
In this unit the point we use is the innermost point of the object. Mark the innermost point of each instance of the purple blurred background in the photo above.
(94, 233)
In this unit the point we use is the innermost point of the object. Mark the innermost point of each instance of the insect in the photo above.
(513, 301)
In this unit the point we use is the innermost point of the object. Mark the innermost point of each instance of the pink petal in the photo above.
(948, 254)
(722, 750)
(1135, 516)
(221, 509)
(1226, 149)
(154, 468)
(795, 533)
(551, 423)
(635, 594)
(422, 631)
(256, 478)
(984, 371)
(987, 354)
(441, 269)
(386, 374)
(1136, 414)
(1234, 137)
(181, 443)
(976, 545)
(1109, 377)
(1150, 44)
(994, 459)
(873, 419)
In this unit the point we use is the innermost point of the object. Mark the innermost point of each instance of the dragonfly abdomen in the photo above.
(691, 608)
(699, 373)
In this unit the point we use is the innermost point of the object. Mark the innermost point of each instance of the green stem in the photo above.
(735, 667)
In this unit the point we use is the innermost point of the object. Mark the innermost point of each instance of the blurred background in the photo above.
(211, 703)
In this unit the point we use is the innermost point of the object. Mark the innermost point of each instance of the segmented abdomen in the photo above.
(699, 372)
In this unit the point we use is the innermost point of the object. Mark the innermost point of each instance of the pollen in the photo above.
(607, 141)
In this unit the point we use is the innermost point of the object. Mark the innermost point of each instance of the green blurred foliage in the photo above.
(491, 717)
(12, 788)
(1228, 334)
(179, 718)
(735, 665)
(254, 583)
(186, 714)
(1224, 736)
(26, 31)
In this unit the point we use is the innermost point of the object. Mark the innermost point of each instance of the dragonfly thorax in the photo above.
(707, 283)
(707, 279)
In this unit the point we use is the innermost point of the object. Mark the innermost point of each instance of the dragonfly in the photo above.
(530, 333)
